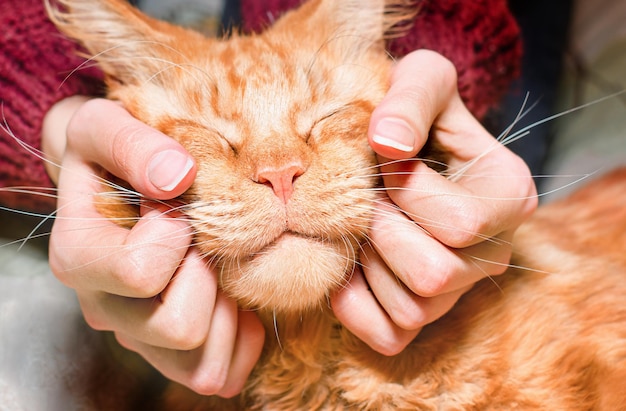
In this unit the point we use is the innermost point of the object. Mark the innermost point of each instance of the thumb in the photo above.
(423, 84)
(156, 165)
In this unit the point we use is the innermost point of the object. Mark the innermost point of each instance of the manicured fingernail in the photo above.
(394, 133)
(168, 168)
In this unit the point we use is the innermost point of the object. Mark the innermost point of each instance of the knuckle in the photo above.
(82, 117)
(466, 224)
(434, 281)
(524, 188)
(389, 346)
(141, 274)
(92, 316)
(185, 335)
(122, 148)
(230, 390)
(211, 381)
(448, 71)
(407, 319)
(116, 142)
(431, 285)
(56, 265)
(94, 321)
(57, 259)
(499, 263)
(442, 66)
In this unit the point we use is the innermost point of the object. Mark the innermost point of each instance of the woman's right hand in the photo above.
(148, 284)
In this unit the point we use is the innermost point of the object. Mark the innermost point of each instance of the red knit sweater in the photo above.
(480, 37)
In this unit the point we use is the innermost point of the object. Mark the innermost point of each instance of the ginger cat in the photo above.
(277, 123)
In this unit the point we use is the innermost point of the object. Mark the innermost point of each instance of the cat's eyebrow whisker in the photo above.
(91, 61)
(336, 37)
(184, 67)
(167, 65)
(103, 55)
(132, 45)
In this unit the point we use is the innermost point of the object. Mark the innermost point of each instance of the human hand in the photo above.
(146, 284)
(433, 237)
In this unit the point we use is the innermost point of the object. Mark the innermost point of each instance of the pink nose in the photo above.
(280, 179)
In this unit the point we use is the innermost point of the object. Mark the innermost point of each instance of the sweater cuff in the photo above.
(36, 71)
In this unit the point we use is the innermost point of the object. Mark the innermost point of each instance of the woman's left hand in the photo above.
(433, 237)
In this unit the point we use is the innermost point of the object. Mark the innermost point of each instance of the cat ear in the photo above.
(130, 47)
(352, 23)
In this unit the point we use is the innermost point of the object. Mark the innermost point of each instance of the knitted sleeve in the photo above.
(36, 71)
(480, 37)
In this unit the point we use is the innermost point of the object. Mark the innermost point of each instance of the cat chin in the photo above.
(292, 275)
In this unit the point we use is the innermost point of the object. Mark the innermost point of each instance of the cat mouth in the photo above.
(288, 237)
(291, 244)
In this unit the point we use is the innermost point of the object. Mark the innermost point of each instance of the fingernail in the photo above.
(168, 168)
(394, 133)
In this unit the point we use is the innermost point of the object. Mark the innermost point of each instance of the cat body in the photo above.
(548, 334)
(277, 123)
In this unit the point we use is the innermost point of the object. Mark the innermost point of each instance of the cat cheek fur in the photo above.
(269, 249)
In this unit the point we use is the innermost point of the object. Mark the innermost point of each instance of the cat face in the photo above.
(277, 123)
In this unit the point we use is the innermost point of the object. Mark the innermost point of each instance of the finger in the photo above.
(491, 189)
(372, 324)
(103, 132)
(178, 318)
(419, 261)
(54, 132)
(90, 252)
(407, 309)
(218, 367)
(422, 84)
(496, 196)
(247, 351)
(203, 369)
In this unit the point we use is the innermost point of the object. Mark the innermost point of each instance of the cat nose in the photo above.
(280, 179)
